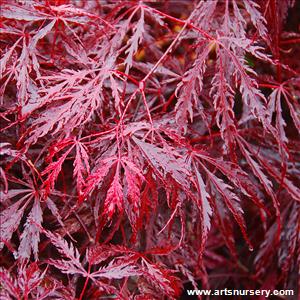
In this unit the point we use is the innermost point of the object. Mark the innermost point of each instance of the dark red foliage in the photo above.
(149, 147)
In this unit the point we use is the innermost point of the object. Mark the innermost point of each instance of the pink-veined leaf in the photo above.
(65, 266)
(189, 89)
(31, 235)
(117, 270)
(161, 279)
(223, 96)
(231, 200)
(10, 219)
(256, 17)
(267, 184)
(96, 177)
(30, 277)
(9, 284)
(100, 253)
(52, 172)
(69, 251)
(19, 13)
(204, 207)
(81, 165)
(134, 179)
(134, 41)
(164, 163)
(114, 197)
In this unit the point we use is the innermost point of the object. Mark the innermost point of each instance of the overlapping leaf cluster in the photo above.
(148, 147)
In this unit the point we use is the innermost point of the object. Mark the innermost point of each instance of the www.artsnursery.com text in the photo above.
(230, 292)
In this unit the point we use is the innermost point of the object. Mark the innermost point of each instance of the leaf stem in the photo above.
(85, 283)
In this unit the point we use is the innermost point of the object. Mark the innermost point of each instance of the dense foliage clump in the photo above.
(148, 147)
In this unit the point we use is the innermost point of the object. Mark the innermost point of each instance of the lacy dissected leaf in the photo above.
(114, 197)
(96, 177)
(30, 277)
(52, 172)
(117, 270)
(252, 96)
(204, 14)
(134, 41)
(289, 240)
(205, 208)
(116, 90)
(161, 279)
(55, 212)
(81, 165)
(134, 179)
(190, 87)
(275, 107)
(238, 177)
(256, 16)
(17, 12)
(27, 61)
(65, 266)
(223, 96)
(165, 163)
(275, 15)
(231, 200)
(12, 216)
(267, 184)
(9, 284)
(80, 101)
(31, 235)
(69, 251)
(225, 224)
(101, 253)
(10, 219)
(27, 284)
(290, 186)
(142, 142)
